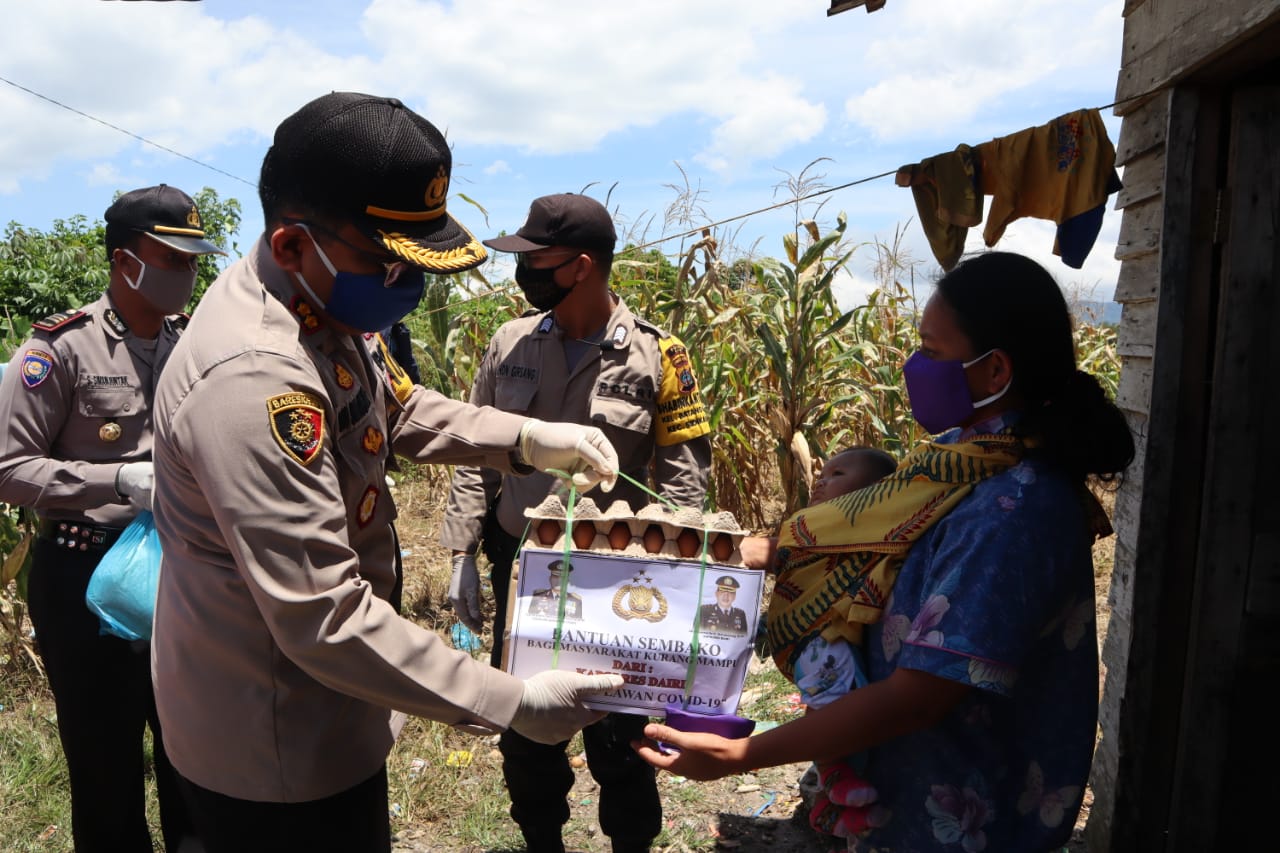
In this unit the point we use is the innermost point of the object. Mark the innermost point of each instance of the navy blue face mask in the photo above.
(368, 302)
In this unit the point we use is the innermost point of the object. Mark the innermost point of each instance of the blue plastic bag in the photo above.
(122, 590)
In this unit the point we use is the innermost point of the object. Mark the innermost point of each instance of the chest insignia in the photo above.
(297, 423)
(110, 431)
(352, 412)
(372, 441)
(619, 335)
(35, 368)
(345, 379)
(307, 316)
(115, 321)
(368, 504)
(517, 371)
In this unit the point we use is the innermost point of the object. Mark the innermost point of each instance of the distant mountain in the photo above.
(1090, 311)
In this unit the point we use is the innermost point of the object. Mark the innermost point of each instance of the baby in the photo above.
(826, 670)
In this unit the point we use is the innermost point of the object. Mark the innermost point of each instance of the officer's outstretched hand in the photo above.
(551, 709)
(134, 480)
(583, 453)
(464, 591)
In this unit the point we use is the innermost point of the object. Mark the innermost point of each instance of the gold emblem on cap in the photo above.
(110, 431)
(438, 189)
(193, 217)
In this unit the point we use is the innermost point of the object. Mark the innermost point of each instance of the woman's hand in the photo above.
(700, 756)
(758, 552)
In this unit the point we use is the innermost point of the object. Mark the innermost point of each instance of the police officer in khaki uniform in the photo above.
(76, 446)
(581, 355)
(722, 617)
(280, 663)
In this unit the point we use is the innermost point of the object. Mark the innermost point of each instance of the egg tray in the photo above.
(653, 531)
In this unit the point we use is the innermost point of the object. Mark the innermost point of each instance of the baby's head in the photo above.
(849, 470)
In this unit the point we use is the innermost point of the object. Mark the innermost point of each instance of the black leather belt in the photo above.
(79, 535)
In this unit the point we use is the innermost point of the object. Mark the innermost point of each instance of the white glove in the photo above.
(582, 452)
(464, 591)
(134, 480)
(551, 709)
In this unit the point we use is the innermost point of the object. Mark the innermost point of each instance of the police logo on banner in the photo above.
(35, 368)
(297, 422)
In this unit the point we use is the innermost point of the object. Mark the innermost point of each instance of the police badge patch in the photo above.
(35, 368)
(297, 422)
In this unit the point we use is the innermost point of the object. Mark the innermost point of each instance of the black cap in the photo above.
(566, 219)
(382, 166)
(726, 582)
(558, 566)
(164, 213)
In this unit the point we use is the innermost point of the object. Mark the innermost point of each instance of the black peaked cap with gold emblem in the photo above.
(382, 166)
(164, 213)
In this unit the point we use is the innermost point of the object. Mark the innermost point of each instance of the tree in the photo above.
(42, 272)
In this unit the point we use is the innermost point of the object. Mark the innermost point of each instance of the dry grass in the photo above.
(446, 787)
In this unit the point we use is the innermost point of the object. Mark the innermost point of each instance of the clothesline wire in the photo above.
(701, 228)
(677, 236)
(127, 132)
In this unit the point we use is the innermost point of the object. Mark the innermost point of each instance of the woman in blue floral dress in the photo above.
(978, 722)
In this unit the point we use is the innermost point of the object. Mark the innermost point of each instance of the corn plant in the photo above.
(1096, 354)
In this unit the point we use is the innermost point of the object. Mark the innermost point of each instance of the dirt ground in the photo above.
(760, 813)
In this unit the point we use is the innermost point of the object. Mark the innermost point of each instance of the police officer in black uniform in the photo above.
(76, 405)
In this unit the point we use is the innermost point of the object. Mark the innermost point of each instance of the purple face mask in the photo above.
(939, 392)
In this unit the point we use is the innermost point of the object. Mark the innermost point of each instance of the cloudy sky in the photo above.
(729, 99)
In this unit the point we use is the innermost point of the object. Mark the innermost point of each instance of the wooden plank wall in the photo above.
(1164, 41)
(1140, 150)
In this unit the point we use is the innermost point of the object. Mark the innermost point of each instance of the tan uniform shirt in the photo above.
(76, 403)
(638, 389)
(276, 655)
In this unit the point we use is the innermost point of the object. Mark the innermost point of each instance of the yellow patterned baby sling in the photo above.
(838, 559)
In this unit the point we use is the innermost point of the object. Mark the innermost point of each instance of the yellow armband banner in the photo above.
(680, 413)
(401, 384)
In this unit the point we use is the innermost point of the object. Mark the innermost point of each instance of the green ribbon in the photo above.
(694, 644)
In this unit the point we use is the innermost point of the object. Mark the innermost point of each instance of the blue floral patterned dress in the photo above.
(997, 595)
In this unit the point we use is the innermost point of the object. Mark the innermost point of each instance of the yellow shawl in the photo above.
(838, 559)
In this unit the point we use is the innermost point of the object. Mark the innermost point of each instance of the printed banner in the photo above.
(635, 616)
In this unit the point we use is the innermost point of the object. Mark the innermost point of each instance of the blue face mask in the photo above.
(368, 302)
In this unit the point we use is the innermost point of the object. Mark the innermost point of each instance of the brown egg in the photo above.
(584, 533)
(688, 543)
(654, 539)
(619, 536)
(548, 531)
(722, 547)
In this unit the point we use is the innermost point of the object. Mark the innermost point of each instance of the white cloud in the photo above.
(169, 73)
(105, 175)
(1034, 238)
(539, 97)
(512, 74)
(948, 63)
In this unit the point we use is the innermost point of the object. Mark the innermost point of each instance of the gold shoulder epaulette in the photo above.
(59, 321)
